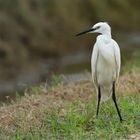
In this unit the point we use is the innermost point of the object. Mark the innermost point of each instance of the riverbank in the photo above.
(63, 111)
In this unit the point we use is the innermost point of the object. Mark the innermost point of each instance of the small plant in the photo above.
(35, 90)
(55, 80)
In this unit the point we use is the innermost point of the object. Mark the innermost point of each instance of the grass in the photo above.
(71, 122)
(74, 124)
(68, 112)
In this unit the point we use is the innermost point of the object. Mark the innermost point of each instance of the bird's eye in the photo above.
(97, 27)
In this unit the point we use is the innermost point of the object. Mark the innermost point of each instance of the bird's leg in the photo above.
(114, 99)
(99, 98)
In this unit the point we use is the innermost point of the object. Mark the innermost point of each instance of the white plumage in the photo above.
(105, 63)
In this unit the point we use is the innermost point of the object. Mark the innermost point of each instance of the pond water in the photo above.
(70, 65)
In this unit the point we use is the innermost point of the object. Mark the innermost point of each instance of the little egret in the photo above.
(105, 63)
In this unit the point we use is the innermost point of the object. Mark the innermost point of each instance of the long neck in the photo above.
(107, 33)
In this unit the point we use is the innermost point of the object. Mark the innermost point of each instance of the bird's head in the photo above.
(100, 27)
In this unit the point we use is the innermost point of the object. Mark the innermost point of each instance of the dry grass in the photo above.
(28, 111)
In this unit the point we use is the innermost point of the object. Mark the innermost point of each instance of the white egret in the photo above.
(105, 63)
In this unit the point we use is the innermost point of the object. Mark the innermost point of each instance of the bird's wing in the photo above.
(117, 58)
(94, 59)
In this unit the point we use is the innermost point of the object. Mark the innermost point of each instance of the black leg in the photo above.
(114, 99)
(99, 98)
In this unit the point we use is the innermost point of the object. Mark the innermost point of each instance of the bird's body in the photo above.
(105, 63)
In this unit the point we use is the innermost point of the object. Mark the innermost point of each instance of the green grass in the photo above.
(78, 122)
(55, 80)
(75, 118)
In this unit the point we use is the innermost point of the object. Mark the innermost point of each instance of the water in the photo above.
(71, 65)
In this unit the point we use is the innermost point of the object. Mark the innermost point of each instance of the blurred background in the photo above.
(37, 38)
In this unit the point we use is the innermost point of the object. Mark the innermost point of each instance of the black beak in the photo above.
(84, 32)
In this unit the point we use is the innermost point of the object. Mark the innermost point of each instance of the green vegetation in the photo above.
(55, 80)
(70, 122)
(68, 112)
